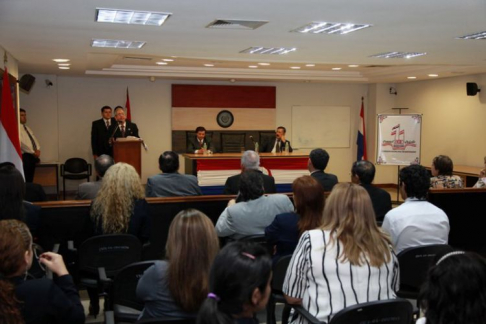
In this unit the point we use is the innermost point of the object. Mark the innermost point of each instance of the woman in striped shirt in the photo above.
(347, 261)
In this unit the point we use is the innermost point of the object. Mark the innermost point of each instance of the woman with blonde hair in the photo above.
(347, 261)
(177, 286)
(120, 206)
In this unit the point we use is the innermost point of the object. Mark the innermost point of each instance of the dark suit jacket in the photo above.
(193, 144)
(283, 232)
(380, 199)
(131, 129)
(267, 147)
(326, 180)
(100, 137)
(232, 185)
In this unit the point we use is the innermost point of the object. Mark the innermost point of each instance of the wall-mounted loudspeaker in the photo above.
(472, 89)
(26, 82)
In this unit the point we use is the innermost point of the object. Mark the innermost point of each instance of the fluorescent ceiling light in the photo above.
(61, 60)
(113, 43)
(336, 69)
(310, 65)
(433, 75)
(64, 67)
(398, 55)
(131, 17)
(353, 65)
(208, 65)
(264, 64)
(253, 66)
(411, 77)
(480, 35)
(64, 64)
(161, 63)
(318, 27)
(269, 50)
(295, 67)
(168, 60)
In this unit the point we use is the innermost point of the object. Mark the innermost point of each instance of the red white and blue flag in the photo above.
(127, 106)
(9, 128)
(361, 140)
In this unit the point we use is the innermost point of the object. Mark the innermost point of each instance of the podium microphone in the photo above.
(251, 137)
(116, 128)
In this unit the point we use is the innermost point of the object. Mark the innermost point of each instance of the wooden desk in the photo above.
(468, 174)
(47, 175)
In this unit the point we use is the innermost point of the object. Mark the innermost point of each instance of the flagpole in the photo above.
(398, 167)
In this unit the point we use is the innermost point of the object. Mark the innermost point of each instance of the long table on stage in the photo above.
(212, 170)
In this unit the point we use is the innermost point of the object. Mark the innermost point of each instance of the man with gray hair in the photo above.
(88, 190)
(250, 160)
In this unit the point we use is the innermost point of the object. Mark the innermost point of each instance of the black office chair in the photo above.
(276, 296)
(110, 319)
(414, 265)
(391, 311)
(259, 239)
(74, 169)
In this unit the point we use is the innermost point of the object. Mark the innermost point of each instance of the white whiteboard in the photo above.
(321, 126)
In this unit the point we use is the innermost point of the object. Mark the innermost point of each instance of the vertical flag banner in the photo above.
(9, 128)
(127, 106)
(361, 140)
(399, 139)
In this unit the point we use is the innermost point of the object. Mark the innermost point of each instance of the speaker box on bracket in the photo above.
(472, 89)
(26, 82)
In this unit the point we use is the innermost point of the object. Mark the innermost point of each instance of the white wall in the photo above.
(61, 115)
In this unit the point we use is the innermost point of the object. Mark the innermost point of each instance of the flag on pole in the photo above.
(398, 126)
(402, 132)
(394, 133)
(361, 140)
(9, 128)
(127, 106)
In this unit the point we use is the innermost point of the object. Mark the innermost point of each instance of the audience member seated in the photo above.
(170, 183)
(254, 211)
(239, 285)
(12, 203)
(455, 291)
(34, 192)
(442, 177)
(285, 230)
(363, 173)
(318, 160)
(482, 177)
(88, 190)
(176, 287)
(347, 261)
(250, 160)
(37, 300)
(120, 206)
(416, 222)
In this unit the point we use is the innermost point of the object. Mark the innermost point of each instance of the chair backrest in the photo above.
(392, 311)
(259, 239)
(113, 252)
(279, 272)
(232, 142)
(166, 321)
(75, 165)
(416, 261)
(125, 284)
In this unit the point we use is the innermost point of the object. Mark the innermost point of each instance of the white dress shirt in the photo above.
(25, 142)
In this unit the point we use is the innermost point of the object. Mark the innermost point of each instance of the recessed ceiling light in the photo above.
(168, 60)
(113, 43)
(264, 64)
(295, 67)
(61, 60)
(64, 64)
(336, 69)
(253, 66)
(208, 65)
(433, 75)
(330, 28)
(161, 63)
(310, 65)
(118, 16)
(398, 55)
(64, 67)
(353, 65)
(411, 77)
(268, 50)
(477, 36)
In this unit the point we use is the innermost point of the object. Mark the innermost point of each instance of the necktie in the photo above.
(34, 146)
(107, 124)
(123, 131)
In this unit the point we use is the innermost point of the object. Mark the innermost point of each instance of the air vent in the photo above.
(236, 24)
(394, 55)
(140, 58)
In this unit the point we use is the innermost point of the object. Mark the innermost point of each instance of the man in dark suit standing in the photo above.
(318, 160)
(123, 127)
(196, 144)
(279, 144)
(100, 133)
(249, 161)
(363, 173)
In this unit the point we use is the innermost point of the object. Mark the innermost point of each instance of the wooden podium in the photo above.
(128, 150)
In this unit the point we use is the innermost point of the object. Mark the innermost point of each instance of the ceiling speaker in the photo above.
(472, 89)
(26, 82)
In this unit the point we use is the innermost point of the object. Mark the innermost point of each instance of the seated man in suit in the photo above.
(250, 160)
(88, 190)
(196, 144)
(123, 127)
(416, 222)
(254, 212)
(363, 173)
(318, 160)
(171, 183)
(279, 144)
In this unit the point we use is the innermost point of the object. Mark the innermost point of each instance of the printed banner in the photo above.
(399, 139)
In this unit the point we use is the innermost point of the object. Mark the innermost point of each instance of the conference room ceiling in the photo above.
(37, 31)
